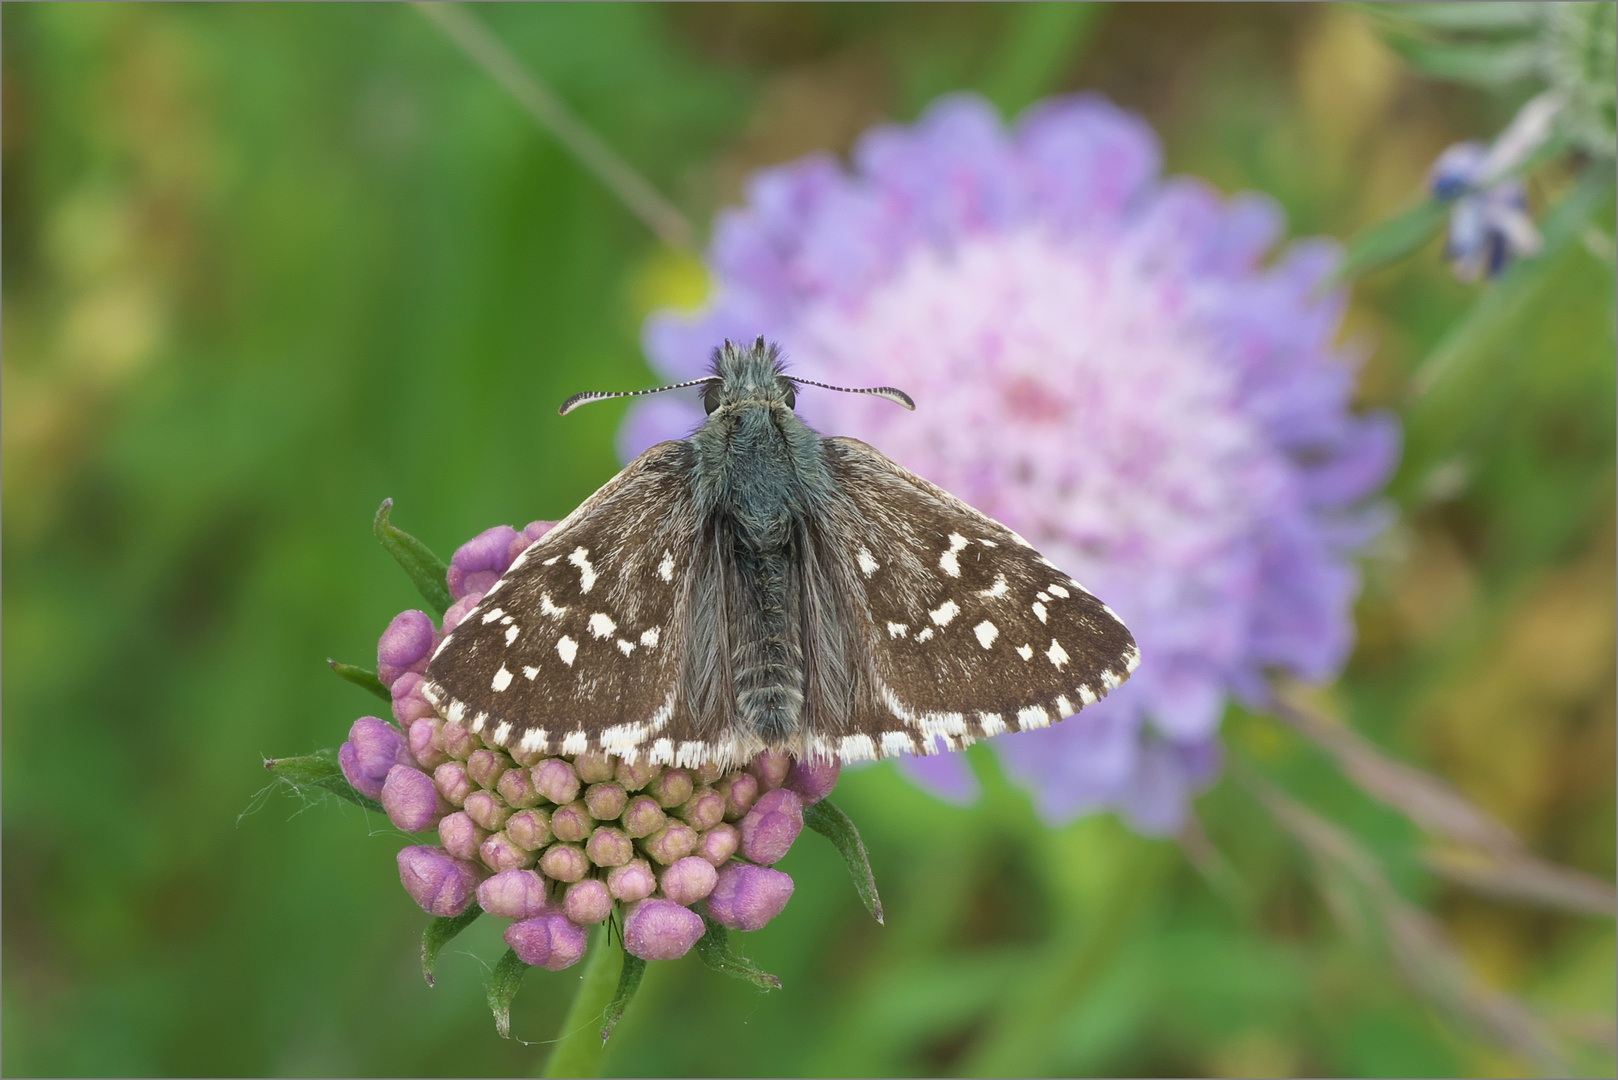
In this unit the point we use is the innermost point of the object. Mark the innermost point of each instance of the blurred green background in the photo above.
(266, 265)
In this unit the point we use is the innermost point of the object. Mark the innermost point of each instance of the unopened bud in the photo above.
(747, 897)
(632, 881)
(459, 742)
(719, 843)
(486, 766)
(548, 941)
(487, 809)
(426, 743)
(771, 768)
(530, 829)
(409, 702)
(671, 843)
(707, 773)
(410, 799)
(657, 929)
(636, 776)
(499, 852)
(688, 881)
(608, 846)
(606, 801)
(373, 748)
(813, 779)
(556, 780)
(740, 792)
(671, 788)
(587, 902)
(642, 816)
(513, 894)
(441, 884)
(526, 759)
(774, 823)
(594, 766)
(564, 862)
(405, 645)
(516, 786)
(572, 822)
(452, 782)
(460, 835)
(703, 810)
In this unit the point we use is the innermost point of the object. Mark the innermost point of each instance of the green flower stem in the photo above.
(578, 1050)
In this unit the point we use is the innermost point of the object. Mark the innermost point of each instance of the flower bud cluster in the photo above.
(555, 842)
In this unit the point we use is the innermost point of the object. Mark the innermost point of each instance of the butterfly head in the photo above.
(748, 376)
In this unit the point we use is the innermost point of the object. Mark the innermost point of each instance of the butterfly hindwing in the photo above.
(969, 631)
(579, 645)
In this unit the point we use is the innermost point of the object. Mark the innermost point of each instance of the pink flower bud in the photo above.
(707, 774)
(526, 538)
(771, 768)
(556, 780)
(487, 810)
(632, 881)
(609, 847)
(773, 824)
(572, 822)
(671, 843)
(564, 862)
(587, 902)
(498, 852)
(513, 894)
(719, 843)
(410, 799)
(426, 742)
(661, 929)
(516, 786)
(440, 883)
(478, 563)
(636, 776)
(642, 816)
(409, 700)
(405, 645)
(606, 801)
(812, 779)
(671, 788)
(452, 782)
(548, 941)
(459, 742)
(526, 759)
(460, 835)
(486, 766)
(688, 880)
(747, 897)
(740, 792)
(703, 810)
(373, 748)
(530, 829)
(594, 766)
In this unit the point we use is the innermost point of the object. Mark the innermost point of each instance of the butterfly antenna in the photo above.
(898, 397)
(601, 395)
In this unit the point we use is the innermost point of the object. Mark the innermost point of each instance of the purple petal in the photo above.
(948, 776)
(747, 897)
(441, 884)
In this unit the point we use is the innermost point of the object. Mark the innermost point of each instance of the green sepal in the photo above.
(714, 949)
(364, 678)
(504, 982)
(320, 770)
(441, 932)
(1393, 239)
(628, 982)
(425, 569)
(835, 826)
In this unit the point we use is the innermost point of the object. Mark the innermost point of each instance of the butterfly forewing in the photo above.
(579, 645)
(971, 632)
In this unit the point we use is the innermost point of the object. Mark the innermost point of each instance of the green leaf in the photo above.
(714, 949)
(1481, 15)
(319, 770)
(504, 983)
(1041, 42)
(628, 982)
(441, 932)
(580, 1047)
(425, 569)
(835, 826)
(1487, 64)
(1392, 240)
(361, 677)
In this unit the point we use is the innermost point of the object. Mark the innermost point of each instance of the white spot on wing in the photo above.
(1025, 651)
(649, 638)
(897, 742)
(575, 742)
(530, 673)
(950, 561)
(1056, 653)
(1064, 707)
(457, 711)
(1087, 695)
(987, 543)
(587, 573)
(998, 589)
(552, 561)
(1042, 597)
(567, 649)
(665, 569)
(502, 679)
(602, 626)
(926, 634)
(503, 730)
(1057, 590)
(491, 615)
(992, 723)
(1131, 660)
(897, 629)
(1111, 681)
(856, 748)
(1033, 717)
(986, 632)
(1039, 610)
(511, 634)
(944, 612)
(868, 565)
(534, 740)
(548, 608)
(625, 647)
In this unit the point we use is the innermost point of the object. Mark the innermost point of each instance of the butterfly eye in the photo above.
(710, 397)
(792, 396)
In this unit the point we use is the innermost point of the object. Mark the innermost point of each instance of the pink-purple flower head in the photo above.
(1105, 361)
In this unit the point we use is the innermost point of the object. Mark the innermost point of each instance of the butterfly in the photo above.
(757, 586)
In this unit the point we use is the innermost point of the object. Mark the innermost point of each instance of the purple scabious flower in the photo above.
(1104, 360)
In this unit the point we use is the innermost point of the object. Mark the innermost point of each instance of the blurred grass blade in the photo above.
(1393, 239)
(319, 770)
(1485, 64)
(1041, 42)
(580, 1048)
(835, 826)
(1481, 15)
(425, 569)
(1525, 879)
(1417, 942)
(441, 932)
(714, 949)
(1504, 300)
(504, 982)
(628, 982)
(364, 678)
